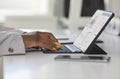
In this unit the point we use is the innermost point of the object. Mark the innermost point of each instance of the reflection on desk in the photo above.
(37, 65)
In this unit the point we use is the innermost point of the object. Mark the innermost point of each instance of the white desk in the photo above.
(43, 66)
(1, 68)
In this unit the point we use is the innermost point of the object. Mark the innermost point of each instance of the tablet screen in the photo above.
(92, 29)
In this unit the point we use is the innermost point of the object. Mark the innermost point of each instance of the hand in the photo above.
(41, 40)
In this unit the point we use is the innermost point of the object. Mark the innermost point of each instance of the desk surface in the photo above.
(37, 65)
(1, 68)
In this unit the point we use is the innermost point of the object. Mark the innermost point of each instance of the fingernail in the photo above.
(54, 49)
(58, 45)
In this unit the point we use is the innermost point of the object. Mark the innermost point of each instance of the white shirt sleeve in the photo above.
(11, 43)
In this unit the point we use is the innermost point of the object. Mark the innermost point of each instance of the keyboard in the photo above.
(64, 49)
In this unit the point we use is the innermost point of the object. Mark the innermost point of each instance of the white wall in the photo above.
(115, 7)
(35, 5)
(59, 7)
(29, 20)
(49, 21)
(18, 4)
(75, 21)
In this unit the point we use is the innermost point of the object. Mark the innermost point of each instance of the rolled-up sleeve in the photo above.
(11, 43)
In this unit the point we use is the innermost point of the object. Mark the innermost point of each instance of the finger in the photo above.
(53, 45)
(53, 40)
(58, 45)
(50, 42)
(49, 45)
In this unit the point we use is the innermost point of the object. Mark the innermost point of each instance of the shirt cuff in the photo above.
(17, 45)
(11, 43)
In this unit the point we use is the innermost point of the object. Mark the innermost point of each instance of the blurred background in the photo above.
(52, 14)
